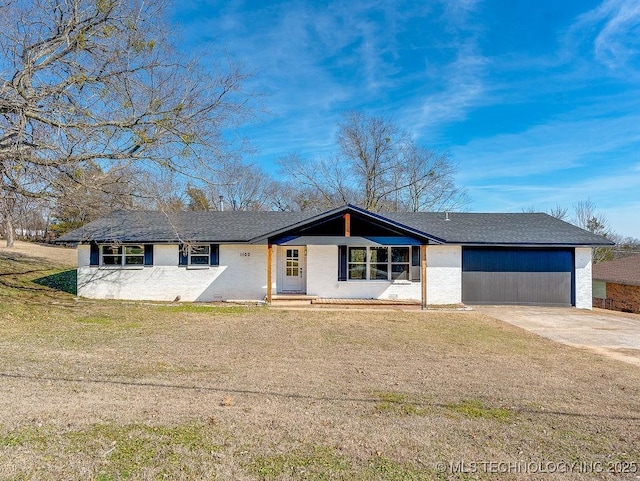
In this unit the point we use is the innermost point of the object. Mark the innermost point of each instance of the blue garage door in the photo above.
(518, 276)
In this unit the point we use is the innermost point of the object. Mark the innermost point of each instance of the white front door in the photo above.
(293, 269)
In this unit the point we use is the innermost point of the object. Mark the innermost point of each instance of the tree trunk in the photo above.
(8, 228)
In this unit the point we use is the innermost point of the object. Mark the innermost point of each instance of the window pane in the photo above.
(111, 250)
(134, 260)
(379, 254)
(400, 272)
(112, 260)
(415, 256)
(200, 250)
(295, 253)
(289, 252)
(357, 254)
(199, 260)
(399, 254)
(139, 250)
(357, 271)
(378, 271)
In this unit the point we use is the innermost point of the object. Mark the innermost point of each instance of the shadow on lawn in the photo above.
(65, 281)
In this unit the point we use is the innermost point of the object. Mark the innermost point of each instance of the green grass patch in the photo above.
(399, 404)
(383, 468)
(320, 463)
(98, 320)
(131, 450)
(27, 436)
(472, 408)
(312, 463)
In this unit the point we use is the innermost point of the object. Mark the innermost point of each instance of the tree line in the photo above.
(376, 166)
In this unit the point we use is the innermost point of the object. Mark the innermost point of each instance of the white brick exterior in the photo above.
(322, 280)
(242, 275)
(583, 278)
(239, 276)
(444, 274)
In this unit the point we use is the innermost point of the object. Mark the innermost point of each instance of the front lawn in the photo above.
(119, 390)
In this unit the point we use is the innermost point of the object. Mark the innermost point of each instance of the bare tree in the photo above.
(559, 212)
(284, 196)
(378, 167)
(242, 185)
(96, 81)
(7, 207)
(372, 147)
(330, 180)
(426, 182)
(587, 217)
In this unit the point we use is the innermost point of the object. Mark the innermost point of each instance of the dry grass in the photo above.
(57, 255)
(114, 390)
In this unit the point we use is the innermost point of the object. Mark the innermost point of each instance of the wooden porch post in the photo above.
(423, 274)
(347, 225)
(269, 273)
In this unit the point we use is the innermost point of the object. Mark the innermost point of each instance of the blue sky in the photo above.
(538, 103)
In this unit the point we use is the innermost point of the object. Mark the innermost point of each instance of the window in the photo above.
(381, 263)
(199, 255)
(123, 255)
(400, 263)
(357, 262)
(292, 263)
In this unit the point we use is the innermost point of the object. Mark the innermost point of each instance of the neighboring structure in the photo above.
(433, 258)
(616, 284)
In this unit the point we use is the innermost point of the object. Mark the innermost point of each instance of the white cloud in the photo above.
(455, 87)
(465, 89)
(613, 32)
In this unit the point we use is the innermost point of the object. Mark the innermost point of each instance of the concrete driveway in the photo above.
(616, 335)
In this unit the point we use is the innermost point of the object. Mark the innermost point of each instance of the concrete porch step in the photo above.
(284, 300)
(367, 302)
(292, 300)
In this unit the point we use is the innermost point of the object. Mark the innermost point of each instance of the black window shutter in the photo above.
(148, 254)
(94, 255)
(342, 263)
(214, 252)
(183, 260)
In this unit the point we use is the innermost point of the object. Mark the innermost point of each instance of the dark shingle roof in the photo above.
(234, 226)
(153, 226)
(620, 271)
(492, 229)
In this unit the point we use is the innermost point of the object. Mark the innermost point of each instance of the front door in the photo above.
(293, 269)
